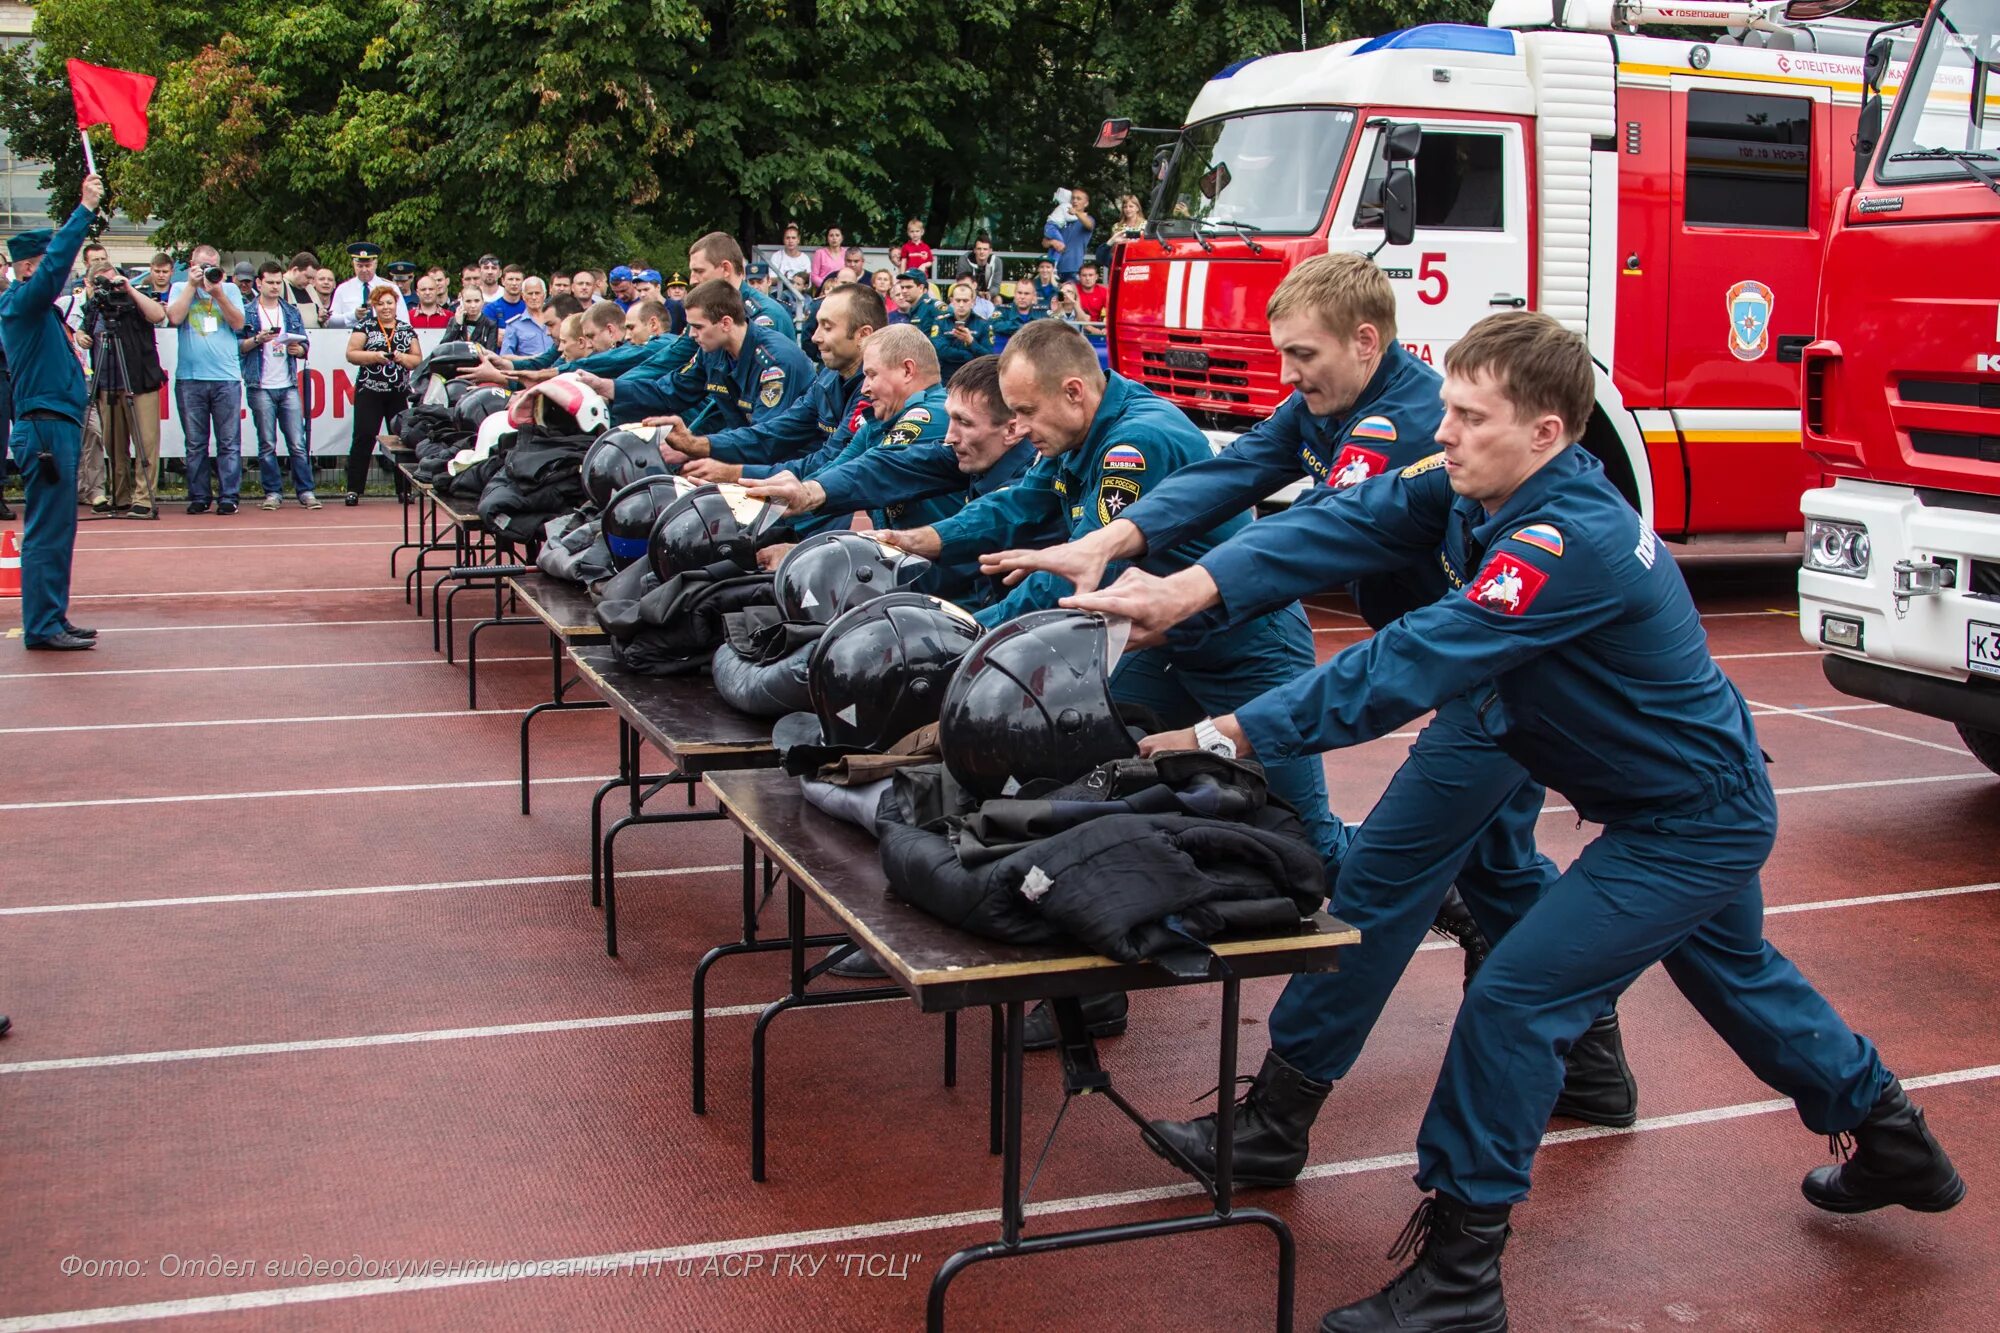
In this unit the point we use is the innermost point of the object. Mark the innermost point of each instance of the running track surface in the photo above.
(350, 1008)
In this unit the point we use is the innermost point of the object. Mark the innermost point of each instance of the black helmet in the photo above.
(710, 525)
(476, 406)
(634, 508)
(1033, 700)
(455, 390)
(447, 359)
(832, 572)
(616, 459)
(880, 671)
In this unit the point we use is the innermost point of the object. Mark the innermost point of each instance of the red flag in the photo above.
(115, 95)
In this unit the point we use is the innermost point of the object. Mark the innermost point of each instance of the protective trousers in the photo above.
(48, 534)
(1222, 674)
(1458, 809)
(1680, 889)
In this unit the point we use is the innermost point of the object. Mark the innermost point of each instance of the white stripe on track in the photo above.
(653, 1259)
(230, 546)
(255, 721)
(268, 666)
(280, 895)
(261, 624)
(285, 793)
(1745, 657)
(396, 587)
(1856, 726)
(667, 1016)
(180, 529)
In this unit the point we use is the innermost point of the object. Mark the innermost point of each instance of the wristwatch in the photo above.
(1213, 741)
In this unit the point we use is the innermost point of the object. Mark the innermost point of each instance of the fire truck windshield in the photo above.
(1267, 171)
(1948, 116)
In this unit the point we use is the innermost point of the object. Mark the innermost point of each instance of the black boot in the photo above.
(1104, 1015)
(1454, 922)
(1272, 1122)
(1454, 1283)
(1894, 1160)
(1597, 1084)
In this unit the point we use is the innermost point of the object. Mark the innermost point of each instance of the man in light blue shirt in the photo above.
(208, 379)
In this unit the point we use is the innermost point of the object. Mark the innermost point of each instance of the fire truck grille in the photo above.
(1950, 393)
(1217, 377)
(1953, 444)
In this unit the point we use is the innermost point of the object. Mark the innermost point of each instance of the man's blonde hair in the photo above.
(904, 342)
(1345, 290)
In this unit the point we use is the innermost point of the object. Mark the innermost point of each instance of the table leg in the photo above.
(995, 1079)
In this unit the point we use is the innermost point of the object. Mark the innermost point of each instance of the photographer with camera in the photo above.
(274, 347)
(208, 383)
(125, 377)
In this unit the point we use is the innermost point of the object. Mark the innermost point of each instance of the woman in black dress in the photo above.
(385, 348)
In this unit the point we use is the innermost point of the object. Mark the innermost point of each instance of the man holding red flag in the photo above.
(49, 400)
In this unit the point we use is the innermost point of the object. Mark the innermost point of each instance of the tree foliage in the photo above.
(590, 130)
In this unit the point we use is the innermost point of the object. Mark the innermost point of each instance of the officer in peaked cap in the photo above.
(403, 273)
(350, 296)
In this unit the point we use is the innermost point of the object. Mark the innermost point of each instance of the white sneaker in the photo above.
(271, 502)
(309, 500)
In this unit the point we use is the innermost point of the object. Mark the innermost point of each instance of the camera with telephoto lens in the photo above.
(213, 273)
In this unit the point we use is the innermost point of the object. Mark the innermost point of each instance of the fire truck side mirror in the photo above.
(1401, 141)
(1805, 11)
(1399, 206)
(1876, 63)
(1113, 133)
(1867, 133)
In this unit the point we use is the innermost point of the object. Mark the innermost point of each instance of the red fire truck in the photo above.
(1901, 578)
(1668, 199)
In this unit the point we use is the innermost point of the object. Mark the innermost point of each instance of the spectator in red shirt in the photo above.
(915, 253)
(428, 312)
(1089, 294)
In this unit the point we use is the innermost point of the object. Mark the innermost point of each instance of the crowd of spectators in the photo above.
(241, 335)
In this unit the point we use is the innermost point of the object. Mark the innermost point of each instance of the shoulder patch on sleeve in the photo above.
(1543, 536)
(1423, 465)
(1354, 466)
(1373, 428)
(772, 372)
(1113, 495)
(904, 432)
(772, 391)
(920, 415)
(1125, 456)
(1506, 584)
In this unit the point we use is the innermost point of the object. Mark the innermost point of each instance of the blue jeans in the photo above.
(272, 410)
(205, 406)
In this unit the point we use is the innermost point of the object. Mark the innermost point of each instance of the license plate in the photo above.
(1982, 648)
(1186, 359)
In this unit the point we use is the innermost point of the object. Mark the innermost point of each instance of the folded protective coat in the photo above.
(674, 628)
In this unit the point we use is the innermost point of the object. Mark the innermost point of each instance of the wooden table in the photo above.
(944, 969)
(685, 720)
(569, 615)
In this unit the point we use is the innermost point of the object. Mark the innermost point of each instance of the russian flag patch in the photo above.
(1373, 428)
(1541, 535)
(1125, 456)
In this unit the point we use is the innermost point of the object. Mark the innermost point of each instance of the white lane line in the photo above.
(232, 592)
(1745, 657)
(543, 1268)
(1780, 710)
(192, 797)
(1856, 726)
(1822, 787)
(256, 721)
(231, 530)
(666, 1016)
(268, 666)
(260, 624)
(227, 546)
(279, 895)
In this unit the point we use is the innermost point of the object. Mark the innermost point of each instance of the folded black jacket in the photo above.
(674, 628)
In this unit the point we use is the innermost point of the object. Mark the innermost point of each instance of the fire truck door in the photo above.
(1470, 256)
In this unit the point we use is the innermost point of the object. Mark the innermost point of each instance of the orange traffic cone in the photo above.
(10, 565)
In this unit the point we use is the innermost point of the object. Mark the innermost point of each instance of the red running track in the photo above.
(291, 978)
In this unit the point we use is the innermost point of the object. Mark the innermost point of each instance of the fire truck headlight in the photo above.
(1837, 548)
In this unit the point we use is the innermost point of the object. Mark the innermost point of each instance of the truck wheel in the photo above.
(1985, 745)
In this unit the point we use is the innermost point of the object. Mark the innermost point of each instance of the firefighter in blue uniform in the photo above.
(913, 295)
(960, 335)
(1459, 809)
(47, 439)
(1569, 626)
(825, 416)
(1103, 444)
(718, 256)
(745, 370)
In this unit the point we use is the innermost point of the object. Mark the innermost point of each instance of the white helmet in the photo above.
(564, 405)
(494, 429)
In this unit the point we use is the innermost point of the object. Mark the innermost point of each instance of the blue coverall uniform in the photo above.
(49, 400)
(1136, 439)
(1571, 630)
(951, 352)
(760, 381)
(1010, 322)
(1458, 808)
(767, 312)
(830, 409)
